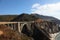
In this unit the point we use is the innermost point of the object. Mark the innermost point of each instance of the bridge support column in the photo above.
(7, 25)
(19, 27)
(12, 26)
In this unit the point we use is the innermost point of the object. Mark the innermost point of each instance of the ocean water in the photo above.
(57, 37)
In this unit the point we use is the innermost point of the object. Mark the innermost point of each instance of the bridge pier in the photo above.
(14, 26)
(19, 27)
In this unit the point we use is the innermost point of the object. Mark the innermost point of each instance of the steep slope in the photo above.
(7, 17)
(8, 34)
(47, 18)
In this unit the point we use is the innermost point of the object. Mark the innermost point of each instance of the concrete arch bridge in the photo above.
(34, 29)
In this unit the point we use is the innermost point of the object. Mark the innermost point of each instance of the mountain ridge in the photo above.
(33, 17)
(27, 17)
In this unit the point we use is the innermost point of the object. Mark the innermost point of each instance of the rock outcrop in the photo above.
(40, 29)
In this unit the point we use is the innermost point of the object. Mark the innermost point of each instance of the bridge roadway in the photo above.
(19, 26)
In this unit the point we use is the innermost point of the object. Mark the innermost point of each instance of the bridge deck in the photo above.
(14, 22)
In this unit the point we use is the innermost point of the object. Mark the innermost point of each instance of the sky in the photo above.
(42, 7)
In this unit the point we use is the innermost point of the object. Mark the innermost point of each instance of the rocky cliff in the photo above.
(40, 29)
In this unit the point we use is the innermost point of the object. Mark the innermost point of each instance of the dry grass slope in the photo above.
(8, 34)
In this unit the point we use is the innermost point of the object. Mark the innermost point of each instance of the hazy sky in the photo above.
(44, 7)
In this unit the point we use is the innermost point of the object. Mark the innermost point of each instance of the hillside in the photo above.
(44, 17)
(7, 17)
(25, 17)
(28, 17)
(8, 34)
(32, 17)
(47, 18)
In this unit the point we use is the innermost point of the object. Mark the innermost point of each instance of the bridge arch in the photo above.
(25, 30)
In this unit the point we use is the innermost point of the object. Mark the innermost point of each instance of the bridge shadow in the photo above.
(25, 30)
(37, 34)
